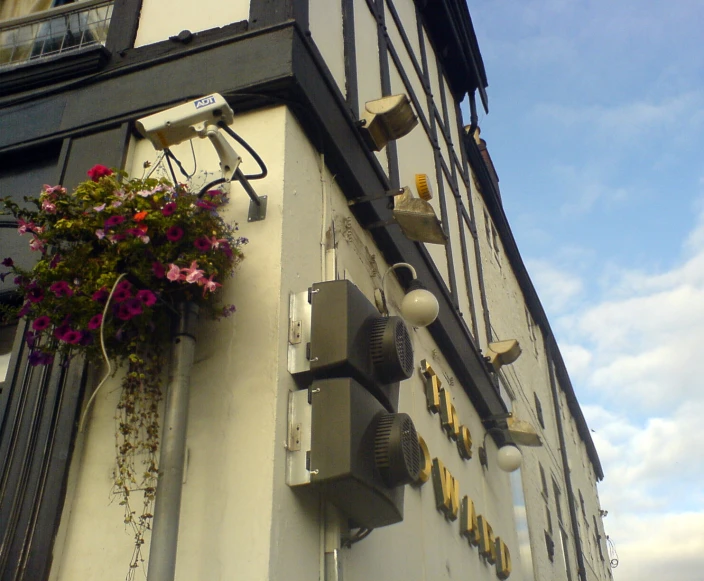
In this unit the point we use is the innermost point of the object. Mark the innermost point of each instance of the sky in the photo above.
(596, 129)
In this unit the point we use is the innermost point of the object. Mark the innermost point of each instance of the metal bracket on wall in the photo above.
(299, 332)
(300, 417)
(257, 212)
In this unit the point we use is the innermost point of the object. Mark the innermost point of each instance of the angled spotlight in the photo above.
(387, 119)
(503, 353)
(417, 219)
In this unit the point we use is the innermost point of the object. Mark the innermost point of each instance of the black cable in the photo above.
(171, 168)
(262, 166)
(362, 534)
(169, 154)
(209, 185)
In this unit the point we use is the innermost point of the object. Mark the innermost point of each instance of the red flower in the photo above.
(99, 171)
(139, 216)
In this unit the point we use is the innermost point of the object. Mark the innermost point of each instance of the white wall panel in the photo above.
(325, 22)
(161, 19)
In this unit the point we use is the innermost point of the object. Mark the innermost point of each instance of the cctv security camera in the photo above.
(184, 122)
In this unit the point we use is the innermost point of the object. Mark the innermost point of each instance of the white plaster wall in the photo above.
(227, 508)
(160, 19)
(425, 545)
(325, 23)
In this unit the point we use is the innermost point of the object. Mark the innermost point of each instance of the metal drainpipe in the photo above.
(167, 509)
(581, 572)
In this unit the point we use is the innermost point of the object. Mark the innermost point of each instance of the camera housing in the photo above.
(179, 124)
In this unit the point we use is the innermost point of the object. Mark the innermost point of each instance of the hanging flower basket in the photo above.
(115, 257)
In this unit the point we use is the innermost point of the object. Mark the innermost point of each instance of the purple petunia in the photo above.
(121, 294)
(8, 262)
(206, 205)
(40, 358)
(34, 293)
(41, 323)
(100, 296)
(72, 337)
(61, 331)
(202, 244)
(174, 234)
(134, 307)
(158, 270)
(168, 209)
(124, 284)
(95, 321)
(113, 221)
(147, 297)
(61, 289)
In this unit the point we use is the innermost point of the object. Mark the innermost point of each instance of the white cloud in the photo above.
(635, 355)
(556, 287)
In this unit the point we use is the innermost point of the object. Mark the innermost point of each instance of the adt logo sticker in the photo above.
(204, 102)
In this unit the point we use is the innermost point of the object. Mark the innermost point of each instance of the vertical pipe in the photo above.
(167, 509)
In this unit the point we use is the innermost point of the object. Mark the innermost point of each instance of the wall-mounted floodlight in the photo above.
(419, 306)
(417, 219)
(386, 119)
(202, 118)
(511, 433)
(502, 353)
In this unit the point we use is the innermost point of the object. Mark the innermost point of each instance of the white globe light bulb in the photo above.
(509, 458)
(420, 307)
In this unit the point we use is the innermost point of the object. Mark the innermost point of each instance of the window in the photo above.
(539, 410)
(48, 28)
(543, 481)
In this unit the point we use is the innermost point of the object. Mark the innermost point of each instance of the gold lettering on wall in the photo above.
(426, 464)
(487, 547)
(447, 490)
(464, 443)
(503, 559)
(448, 415)
(468, 521)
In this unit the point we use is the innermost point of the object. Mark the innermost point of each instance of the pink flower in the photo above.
(174, 273)
(192, 274)
(95, 321)
(36, 244)
(216, 242)
(54, 189)
(98, 171)
(99, 208)
(174, 234)
(147, 297)
(34, 293)
(208, 284)
(24, 227)
(116, 204)
(48, 207)
(100, 233)
(144, 193)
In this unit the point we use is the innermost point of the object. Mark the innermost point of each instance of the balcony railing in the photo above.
(55, 31)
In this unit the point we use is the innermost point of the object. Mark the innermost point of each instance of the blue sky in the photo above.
(596, 128)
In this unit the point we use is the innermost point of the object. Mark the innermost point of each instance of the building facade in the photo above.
(74, 79)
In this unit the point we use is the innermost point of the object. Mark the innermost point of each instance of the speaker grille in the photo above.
(396, 450)
(391, 349)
